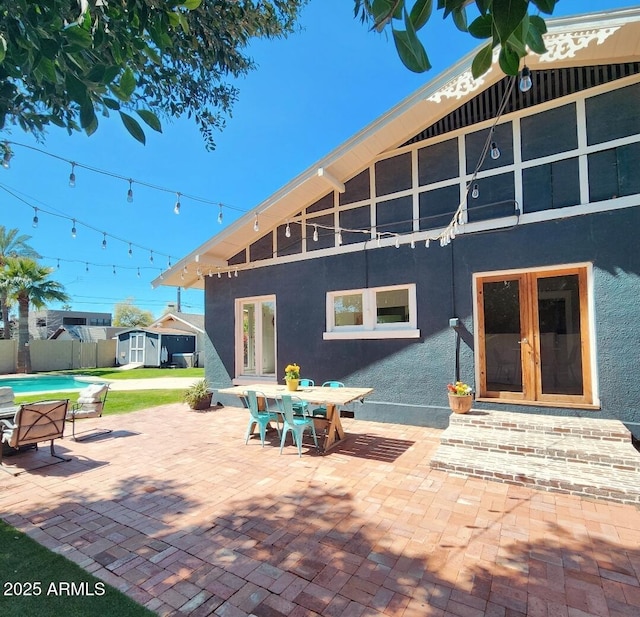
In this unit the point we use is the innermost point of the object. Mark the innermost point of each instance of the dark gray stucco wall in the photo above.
(409, 376)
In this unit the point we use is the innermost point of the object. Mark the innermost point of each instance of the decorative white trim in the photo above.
(460, 87)
(563, 45)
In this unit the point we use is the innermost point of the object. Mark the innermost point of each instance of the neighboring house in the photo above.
(43, 324)
(529, 286)
(86, 334)
(156, 347)
(189, 322)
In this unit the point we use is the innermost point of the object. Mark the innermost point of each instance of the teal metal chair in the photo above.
(260, 418)
(321, 412)
(296, 424)
(301, 408)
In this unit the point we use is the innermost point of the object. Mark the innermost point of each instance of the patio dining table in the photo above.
(331, 398)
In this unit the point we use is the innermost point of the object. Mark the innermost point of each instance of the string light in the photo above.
(256, 226)
(495, 151)
(86, 266)
(220, 215)
(287, 231)
(72, 176)
(315, 233)
(397, 242)
(413, 242)
(6, 159)
(74, 231)
(34, 221)
(525, 79)
(58, 266)
(130, 251)
(236, 273)
(176, 208)
(114, 269)
(130, 191)
(475, 193)
(339, 237)
(104, 240)
(138, 272)
(151, 258)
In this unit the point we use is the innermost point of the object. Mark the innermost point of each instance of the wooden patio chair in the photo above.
(90, 404)
(32, 424)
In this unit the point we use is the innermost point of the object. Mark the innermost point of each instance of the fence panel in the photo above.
(8, 356)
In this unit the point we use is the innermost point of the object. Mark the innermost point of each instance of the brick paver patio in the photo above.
(173, 509)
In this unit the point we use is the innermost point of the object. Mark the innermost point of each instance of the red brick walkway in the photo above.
(173, 509)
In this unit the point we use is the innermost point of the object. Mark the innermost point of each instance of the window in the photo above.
(381, 312)
(534, 339)
(256, 337)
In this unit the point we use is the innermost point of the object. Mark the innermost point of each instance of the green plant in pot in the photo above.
(198, 395)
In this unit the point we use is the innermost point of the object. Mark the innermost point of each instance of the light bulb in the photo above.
(236, 273)
(219, 275)
(339, 238)
(397, 242)
(6, 159)
(176, 208)
(151, 258)
(104, 240)
(378, 238)
(130, 250)
(74, 231)
(413, 243)
(220, 215)
(138, 272)
(287, 231)
(35, 220)
(130, 192)
(114, 269)
(86, 267)
(426, 243)
(525, 79)
(495, 151)
(475, 193)
(72, 176)
(315, 233)
(256, 227)
(229, 274)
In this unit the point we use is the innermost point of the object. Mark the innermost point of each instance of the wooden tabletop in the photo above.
(312, 394)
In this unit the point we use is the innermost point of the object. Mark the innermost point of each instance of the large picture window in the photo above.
(381, 312)
(534, 341)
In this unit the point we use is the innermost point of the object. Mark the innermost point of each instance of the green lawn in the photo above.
(39, 583)
(118, 401)
(138, 373)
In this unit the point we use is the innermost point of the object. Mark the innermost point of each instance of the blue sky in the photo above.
(310, 93)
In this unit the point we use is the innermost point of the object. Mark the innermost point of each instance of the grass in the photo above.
(138, 373)
(118, 402)
(64, 587)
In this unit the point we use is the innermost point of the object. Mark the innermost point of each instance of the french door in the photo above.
(256, 336)
(534, 336)
(136, 347)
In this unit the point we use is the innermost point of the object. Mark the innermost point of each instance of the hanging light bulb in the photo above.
(6, 159)
(130, 251)
(86, 266)
(34, 221)
(339, 237)
(104, 240)
(130, 191)
(220, 215)
(210, 272)
(315, 233)
(236, 273)
(475, 192)
(413, 242)
(378, 237)
(58, 266)
(525, 79)
(229, 273)
(151, 257)
(138, 272)
(114, 269)
(256, 226)
(397, 242)
(495, 151)
(176, 208)
(426, 243)
(168, 262)
(219, 275)
(287, 231)
(72, 176)
(74, 231)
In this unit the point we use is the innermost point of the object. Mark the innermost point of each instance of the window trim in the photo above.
(370, 329)
(240, 376)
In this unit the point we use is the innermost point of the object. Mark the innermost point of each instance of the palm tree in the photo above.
(12, 245)
(28, 283)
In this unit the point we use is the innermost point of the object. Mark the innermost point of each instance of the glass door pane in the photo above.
(268, 338)
(502, 330)
(249, 339)
(559, 329)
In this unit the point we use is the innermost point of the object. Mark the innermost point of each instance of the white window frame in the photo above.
(370, 329)
(137, 347)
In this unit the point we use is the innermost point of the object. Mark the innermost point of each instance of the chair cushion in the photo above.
(92, 393)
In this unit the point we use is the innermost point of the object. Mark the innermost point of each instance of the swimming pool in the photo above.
(45, 383)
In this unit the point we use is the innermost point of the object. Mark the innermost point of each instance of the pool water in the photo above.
(44, 383)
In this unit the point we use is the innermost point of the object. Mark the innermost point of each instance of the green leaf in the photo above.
(76, 90)
(87, 116)
(111, 103)
(482, 62)
(535, 21)
(410, 49)
(460, 19)
(131, 124)
(535, 41)
(481, 27)
(3, 48)
(509, 60)
(150, 119)
(420, 13)
(191, 4)
(96, 73)
(78, 36)
(483, 6)
(546, 6)
(127, 83)
(507, 15)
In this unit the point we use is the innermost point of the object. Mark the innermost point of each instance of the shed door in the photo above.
(136, 347)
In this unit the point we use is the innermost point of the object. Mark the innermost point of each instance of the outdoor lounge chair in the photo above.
(90, 404)
(8, 407)
(33, 423)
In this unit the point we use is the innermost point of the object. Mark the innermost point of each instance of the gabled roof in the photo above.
(193, 320)
(150, 330)
(583, 40)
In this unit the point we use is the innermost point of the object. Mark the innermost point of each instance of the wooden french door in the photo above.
(533, 335)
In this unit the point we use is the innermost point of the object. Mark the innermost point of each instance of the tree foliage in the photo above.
(504, 24)
(67, 62)
(127, 315)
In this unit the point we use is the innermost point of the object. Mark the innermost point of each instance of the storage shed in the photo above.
(156, 347)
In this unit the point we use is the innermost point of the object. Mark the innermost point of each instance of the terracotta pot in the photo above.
(292, 384)
(203, 403)
(460, 404)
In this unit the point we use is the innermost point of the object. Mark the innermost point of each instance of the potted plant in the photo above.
(198, 395)
(460, 397)
(292, 376)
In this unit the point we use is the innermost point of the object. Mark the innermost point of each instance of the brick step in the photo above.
(570, 447)
(549, 474)
(589, 428)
